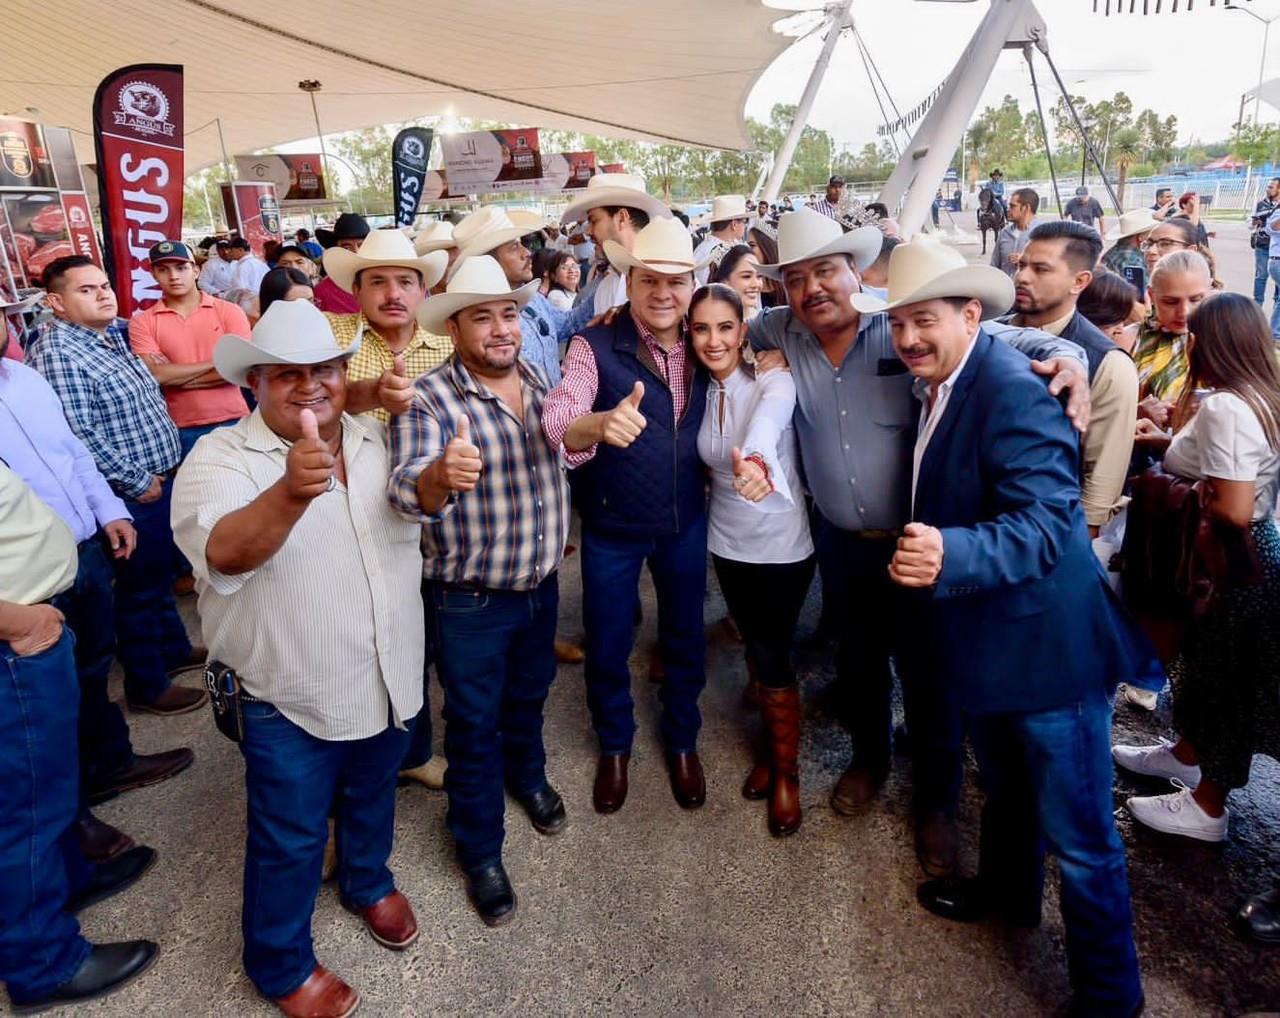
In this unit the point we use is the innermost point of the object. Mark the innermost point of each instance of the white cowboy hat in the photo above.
(435, 236)
(291, 332)
(476, 280)
(664, 246)
(728, 206)
(530, 220)
(487, 229)
(923, 269)
(1132, 223)
(383, 247)
(806, 234)
(623, 189)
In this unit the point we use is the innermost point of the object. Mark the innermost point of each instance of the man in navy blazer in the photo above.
(997, 548)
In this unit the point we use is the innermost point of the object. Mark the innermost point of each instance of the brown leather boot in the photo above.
(781, 710)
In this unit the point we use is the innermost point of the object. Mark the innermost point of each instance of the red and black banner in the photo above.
(137, 128)
(409, 154)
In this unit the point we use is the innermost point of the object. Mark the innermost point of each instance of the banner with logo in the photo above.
(253, 212)
(138, 137)
(24, 160)
(483, 162)
(409, 154)
(80, 231)
(567, 171)
(296, 176)
(613, 168)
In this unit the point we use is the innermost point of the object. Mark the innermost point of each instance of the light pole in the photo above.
(1262, 63)
(355, 179)
(311, 87)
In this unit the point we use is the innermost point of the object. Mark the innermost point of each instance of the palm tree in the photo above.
(1126, 147)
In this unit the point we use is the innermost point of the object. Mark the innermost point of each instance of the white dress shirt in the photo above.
(611, 291)
(246, 277)
(931, 416)
(215, 275)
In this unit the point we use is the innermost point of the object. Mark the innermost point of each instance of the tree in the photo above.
(1126, 149)
(1158, 136)
(202, 201)
(1256, 143)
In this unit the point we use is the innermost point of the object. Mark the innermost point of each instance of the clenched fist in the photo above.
(395, 388)
(622, 425)
(308, 469)
(918, 560)
(458, 469)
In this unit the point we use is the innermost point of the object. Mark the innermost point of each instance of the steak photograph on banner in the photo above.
(410, 152)
(138, 137)
(482, 162)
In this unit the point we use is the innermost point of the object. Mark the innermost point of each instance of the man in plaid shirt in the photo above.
(116, 409)
(470, 461)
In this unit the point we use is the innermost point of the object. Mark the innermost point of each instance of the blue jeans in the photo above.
(496, 658)
(40, 945)
(187, 438)
(610, 580)
(1047, 778)
(150, 635)
(291, 779)
(87, 605)
(1273, 270)
(419, 751)
(1261, 264)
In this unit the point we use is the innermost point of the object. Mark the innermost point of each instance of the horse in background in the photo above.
(990, 215)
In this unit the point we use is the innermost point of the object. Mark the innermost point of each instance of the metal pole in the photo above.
(1084, 137)
(838, 19)
(222, 142)
(1262, 65)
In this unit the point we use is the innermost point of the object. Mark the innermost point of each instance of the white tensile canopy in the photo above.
(660, 70)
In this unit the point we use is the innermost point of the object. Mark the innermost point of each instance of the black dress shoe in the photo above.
(937, 844)
(545, 809)
(1259, 917)
(108, 967)
(492, 895)
(967, 900)
(110, 878)
(688, 783)
(610, 790)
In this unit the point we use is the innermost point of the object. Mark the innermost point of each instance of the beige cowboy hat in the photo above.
(1132, 223)
(728, 206)
(476, 280)
(664, 246)
(623, 189)
(806, 234)
(383, 247)
(530, 220)
(923, 269)
(486, 229)
(291, 332)
(435, 236)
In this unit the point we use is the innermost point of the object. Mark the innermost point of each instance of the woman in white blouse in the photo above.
(1226, 690)
(758, 531)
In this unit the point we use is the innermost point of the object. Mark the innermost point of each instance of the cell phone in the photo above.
(1137, 275)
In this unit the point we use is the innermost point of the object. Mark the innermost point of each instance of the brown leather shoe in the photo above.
(174, 700)
(196, 659)
(937, 845)
(688, 784)
(99, 841)
(390, 919)
(568, 652)
(610, 790)
(323, 995)
(781, 710)
(146, 769)
(756, 787)
(857, 788)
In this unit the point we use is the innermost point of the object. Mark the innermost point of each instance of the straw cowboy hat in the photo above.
(291, 332)
(664, 246)
(1133, 223)
(807, 234)
(436, 236)
(527, 218)
(486, 229)
(383, 247)
(728, 206)
(349, 226)
(623, 189)
(477, 280)
(923, 269)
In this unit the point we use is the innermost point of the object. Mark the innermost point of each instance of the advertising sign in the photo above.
(409, 154)
(138, 136)
(483, 162)
(24, 159)
(83, 239)
(567, 171)
(296, 176)
(253, 212)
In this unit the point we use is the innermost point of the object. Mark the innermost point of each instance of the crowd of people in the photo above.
(426, 420)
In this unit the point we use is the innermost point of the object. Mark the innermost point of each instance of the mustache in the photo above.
(394, 305)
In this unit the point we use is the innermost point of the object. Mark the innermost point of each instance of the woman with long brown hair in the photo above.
(1226, 684)
(763, 241)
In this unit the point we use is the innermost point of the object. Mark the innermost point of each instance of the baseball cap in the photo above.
(1081, 191)
(170, 251)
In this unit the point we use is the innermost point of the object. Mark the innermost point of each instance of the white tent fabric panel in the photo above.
(661, 70)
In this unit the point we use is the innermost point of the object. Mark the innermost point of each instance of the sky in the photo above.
(1195, 64)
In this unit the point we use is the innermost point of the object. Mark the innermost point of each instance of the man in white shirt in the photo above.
(728, 227)
(247, 270)
(215, 274)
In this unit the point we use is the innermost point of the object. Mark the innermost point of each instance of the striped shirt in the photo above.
(425, 352)
(826, 208)
(507, 533)
(112, 403)
(330, 628)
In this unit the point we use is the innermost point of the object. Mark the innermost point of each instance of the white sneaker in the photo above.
(1143, 698)
(1179, 813)
(1156, 762)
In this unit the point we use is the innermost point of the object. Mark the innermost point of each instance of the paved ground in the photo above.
(655, 911)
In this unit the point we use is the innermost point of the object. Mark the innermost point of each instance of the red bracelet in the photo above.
(758, 460)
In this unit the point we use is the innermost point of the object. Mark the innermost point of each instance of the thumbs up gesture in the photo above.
(459, 468)
(308, 469)
(622, 425)
(918, 559)
(749, 477)
(395, 388)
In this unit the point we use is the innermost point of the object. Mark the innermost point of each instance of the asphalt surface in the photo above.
(658, 911)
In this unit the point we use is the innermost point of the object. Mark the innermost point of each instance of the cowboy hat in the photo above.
(290, 332)
(806, 234)
(435, 236)
(664, 246)
(348, 227)
(476, 280)
(485, 230)
(527, 218)
(728, 206)
(383, 247)
(923, 269)
(608, 189)
(1132, 223)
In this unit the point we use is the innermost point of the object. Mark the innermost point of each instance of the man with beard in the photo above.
(855, 423)
(472, 465)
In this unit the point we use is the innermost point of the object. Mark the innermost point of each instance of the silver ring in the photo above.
(333, 483)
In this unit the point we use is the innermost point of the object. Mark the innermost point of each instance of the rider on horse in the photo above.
(996, 185)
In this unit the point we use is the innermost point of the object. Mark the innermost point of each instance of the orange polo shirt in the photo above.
(161, 330)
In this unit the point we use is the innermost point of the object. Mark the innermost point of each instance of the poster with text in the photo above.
(253, 212)
(482, 162)
(296, 176)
